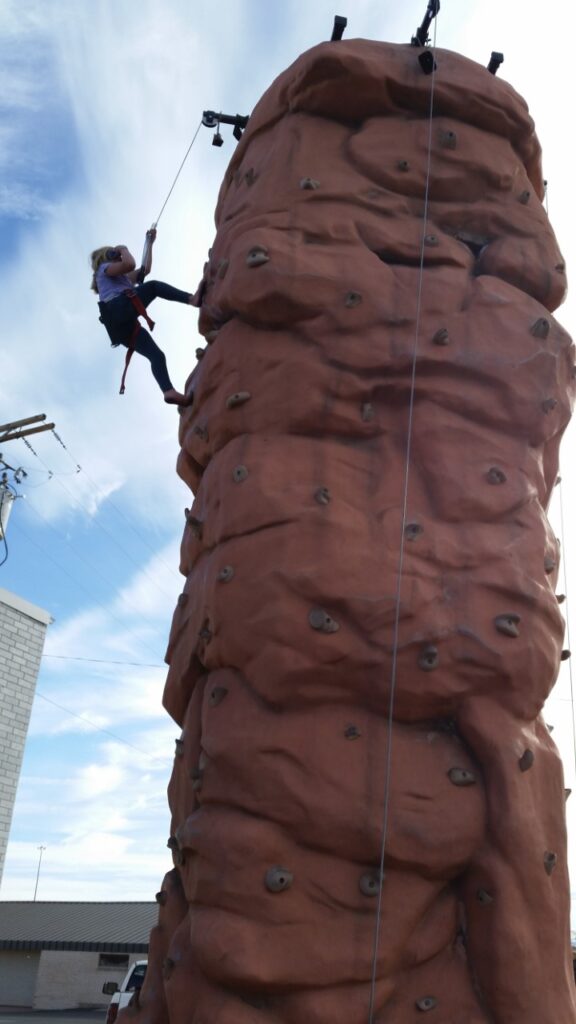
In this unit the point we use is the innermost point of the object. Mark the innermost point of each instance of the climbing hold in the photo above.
(441, 337)
(484, 897)
(496, 476)
(448, 140)
(352, 732)
(526, 761)
(168, 965)
(508, 624)
(462, 777)
(549, 403)
(194, 523)
(431, 240)
(369, 883)
(172, 843)
(560, 598)
(413, 530)
(217, 694)
(257, 256)
(429, 658)
(367, 412)
(565, 655)
(320, 620)
(524, 197)
(179, 744)
(201, 432)
(238, 398)
(250, 176)
(540, 328)
(239, 474)
(403, 165)
(278, 879)
(549, 564)
(550, 862)
(226, 573)
(161, 897)
(352, 299)
(427, 1003)
(205, 633)
(200, 353)
(557, 481)
(322, 496)
(309, 183)
(560, 267)
(182, 600)
(222, 268)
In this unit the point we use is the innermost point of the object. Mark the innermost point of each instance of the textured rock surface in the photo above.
(281, 647)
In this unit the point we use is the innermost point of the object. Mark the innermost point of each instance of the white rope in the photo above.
(394, 667)
(567, 618)
(178, 174)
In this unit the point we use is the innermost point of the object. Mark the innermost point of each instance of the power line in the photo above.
(106, 609)
(98, 728)
(77, 501)
(107, 498)
(82, 558)
(103, 661)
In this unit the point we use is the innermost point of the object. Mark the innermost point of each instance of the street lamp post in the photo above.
(41, 848)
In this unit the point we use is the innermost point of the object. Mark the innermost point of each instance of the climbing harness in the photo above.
(115, 331)
(433, 8)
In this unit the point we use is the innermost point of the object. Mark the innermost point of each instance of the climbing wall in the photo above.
(306, 729)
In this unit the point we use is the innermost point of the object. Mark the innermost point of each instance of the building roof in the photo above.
(102, 927)
(20, 605)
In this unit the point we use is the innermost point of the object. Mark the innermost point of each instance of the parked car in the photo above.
(122, 994)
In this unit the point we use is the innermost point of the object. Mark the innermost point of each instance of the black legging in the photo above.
(143, 343)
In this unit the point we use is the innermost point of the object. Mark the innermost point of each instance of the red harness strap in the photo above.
(140, 311)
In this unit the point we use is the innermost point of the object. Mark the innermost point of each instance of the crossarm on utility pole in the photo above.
(25, 433)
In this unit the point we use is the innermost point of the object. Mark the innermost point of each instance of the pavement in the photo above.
(16, 1015)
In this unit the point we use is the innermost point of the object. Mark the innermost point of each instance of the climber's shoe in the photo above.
(173, 397)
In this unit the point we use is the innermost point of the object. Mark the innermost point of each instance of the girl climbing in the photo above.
(123, 297)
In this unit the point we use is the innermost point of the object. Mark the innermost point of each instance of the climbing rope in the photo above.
(186, 155)
(396, 630)
(565, 575)
(567, 617)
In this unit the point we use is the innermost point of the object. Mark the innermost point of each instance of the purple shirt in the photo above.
(110, 287)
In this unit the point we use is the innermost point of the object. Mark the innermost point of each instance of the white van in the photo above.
(121, 995)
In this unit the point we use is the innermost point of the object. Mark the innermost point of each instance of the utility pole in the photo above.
(41, 848)
(22, 428)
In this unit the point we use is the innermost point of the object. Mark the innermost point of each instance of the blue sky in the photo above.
(100, 101)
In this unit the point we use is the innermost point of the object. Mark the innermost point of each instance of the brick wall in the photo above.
(71, 980)
(22, 633)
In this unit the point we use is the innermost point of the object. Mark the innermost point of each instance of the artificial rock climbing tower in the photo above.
(288, 639)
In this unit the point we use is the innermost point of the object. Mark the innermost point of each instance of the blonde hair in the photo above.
(96, 259)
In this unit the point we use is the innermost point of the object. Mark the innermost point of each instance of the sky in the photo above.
(99, 102)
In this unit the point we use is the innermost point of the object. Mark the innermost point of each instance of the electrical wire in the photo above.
(103, 661)
(93, 568)
(396, 629)
(98, 728)
(3, 490)
(101, 527)
(106, 609)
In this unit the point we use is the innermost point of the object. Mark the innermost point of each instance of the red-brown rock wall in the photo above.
(282, 652)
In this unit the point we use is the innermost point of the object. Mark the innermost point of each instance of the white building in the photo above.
(22, 633)
(57, 955)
